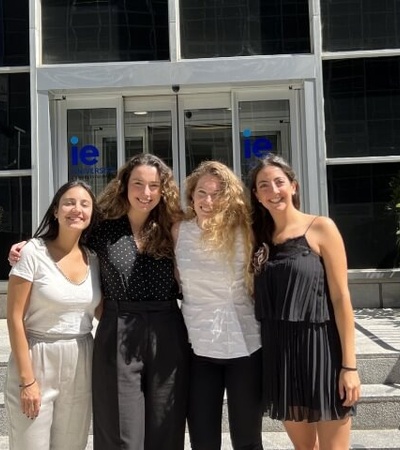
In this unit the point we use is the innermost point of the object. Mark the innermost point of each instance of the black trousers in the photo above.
(242, 379)
(140, 377)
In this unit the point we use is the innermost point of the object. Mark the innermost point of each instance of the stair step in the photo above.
(369, 440)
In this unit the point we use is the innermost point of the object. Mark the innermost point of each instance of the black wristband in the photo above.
(352, 369)
(23, 386)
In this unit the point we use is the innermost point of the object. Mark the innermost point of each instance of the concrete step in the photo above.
(370, 440)
(379, 409)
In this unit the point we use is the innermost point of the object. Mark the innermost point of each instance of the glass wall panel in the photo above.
(75, 31)
(208, 135)
(92, 146)
(264, 128)
(243, 27)
(15, 216)
(362, 107)
(149, 132)
(361, 199)
(15, 123)
(360, 24)
(14, 33)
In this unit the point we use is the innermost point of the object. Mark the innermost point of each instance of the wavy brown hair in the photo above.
(231, 213)
(263, 224)
(156, 232)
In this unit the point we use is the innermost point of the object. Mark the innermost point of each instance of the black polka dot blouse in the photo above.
(127, 274)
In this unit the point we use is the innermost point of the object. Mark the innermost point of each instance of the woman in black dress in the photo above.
(303, 302)
(141, 350)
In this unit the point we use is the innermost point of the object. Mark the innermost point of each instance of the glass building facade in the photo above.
(84, 85)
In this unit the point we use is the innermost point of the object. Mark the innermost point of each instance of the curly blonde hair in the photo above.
(156, 233)
(231, 213)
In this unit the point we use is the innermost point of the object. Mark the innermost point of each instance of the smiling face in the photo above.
(74, 210)
(144, 189)
(205, 197)
(273, 189)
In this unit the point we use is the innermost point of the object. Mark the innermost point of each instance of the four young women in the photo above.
(141, 366)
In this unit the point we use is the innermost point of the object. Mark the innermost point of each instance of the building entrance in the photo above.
(97, 136)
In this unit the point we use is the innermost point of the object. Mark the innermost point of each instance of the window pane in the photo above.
(149, 132)
(14, 33)
(92, 146)
(15, 216)
(243, 27)
(264, 128)
(362, 107)
(208, 135)
(104, 30)
(15, 135)
(360, 24)
(361, 201)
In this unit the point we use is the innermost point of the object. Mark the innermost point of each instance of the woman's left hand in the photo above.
(349, 387)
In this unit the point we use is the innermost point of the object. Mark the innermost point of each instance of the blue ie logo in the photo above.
(88, 155)
(258, 147)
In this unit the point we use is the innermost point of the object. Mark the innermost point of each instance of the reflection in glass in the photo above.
(14, 33)
(15, 136)
(92, 146)
(264, 128)
(149, 132)
(362, 107)
(15, 216)
(243, 27)
(360, 203)
(208, 136)
(104, 30)
(360, 24)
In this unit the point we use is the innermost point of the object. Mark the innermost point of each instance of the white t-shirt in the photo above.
(57, 306)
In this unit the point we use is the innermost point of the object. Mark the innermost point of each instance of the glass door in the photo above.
(235, 128)
(87, 143)
(183, 130)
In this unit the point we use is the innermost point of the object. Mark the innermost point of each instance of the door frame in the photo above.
(177, 104)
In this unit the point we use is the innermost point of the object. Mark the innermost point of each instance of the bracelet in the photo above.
(352, 369)
(23, 386)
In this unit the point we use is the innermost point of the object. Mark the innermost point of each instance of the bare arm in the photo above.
(333, 253)
(175, 234)
(99, 309)
(18, 296)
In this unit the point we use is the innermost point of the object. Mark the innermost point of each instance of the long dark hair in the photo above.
(156, 233)
(49, 226)
(263, 223)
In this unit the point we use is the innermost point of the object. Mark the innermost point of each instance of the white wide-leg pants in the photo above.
(63, 370)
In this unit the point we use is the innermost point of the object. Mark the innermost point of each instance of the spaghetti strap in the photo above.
(316, 217)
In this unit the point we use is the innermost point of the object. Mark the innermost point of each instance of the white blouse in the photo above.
(218, 311)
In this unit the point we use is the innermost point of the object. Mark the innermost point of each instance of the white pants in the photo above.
(63, 370)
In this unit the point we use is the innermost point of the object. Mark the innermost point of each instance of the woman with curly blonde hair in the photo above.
(213, 247)
(141, 352)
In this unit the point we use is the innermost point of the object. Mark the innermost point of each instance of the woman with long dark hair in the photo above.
(303, 303)
(53, 292)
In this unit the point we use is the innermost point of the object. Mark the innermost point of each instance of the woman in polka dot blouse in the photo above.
(141, 352)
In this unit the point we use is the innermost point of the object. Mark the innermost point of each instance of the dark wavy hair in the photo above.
(49, 227)
(156, 232)
(262, 222)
